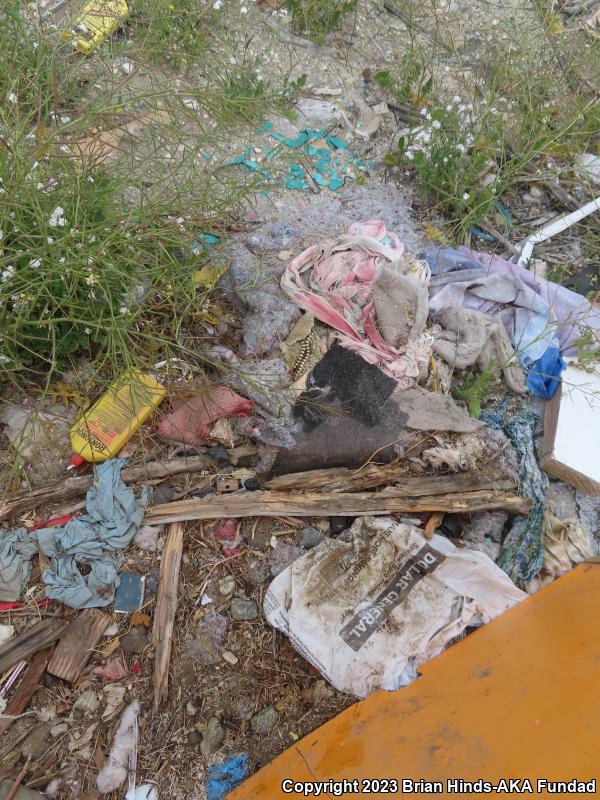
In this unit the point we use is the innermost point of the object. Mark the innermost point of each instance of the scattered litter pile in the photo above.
(362, 473)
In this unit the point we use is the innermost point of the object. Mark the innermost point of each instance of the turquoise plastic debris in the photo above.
(204, 242)
(224, 778)
(325, 167)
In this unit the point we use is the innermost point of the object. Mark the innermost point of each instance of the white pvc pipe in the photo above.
(556, 226)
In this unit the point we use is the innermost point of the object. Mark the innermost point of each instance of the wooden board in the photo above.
(166, 606)
(342, 479)
(77, 644)
(31, 679)
(572, 431)
(28, 499)
(515, 699)
(277, 504)
(23, 646)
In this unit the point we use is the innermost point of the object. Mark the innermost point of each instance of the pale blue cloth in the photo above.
(97, 539)
(17, 548)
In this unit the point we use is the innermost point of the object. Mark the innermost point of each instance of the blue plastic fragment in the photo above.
(504, 211)
(336, 143)
(203, 242)
(318, 178)
(335, 183)
(266, 126)
(479, 234)
(224, 778)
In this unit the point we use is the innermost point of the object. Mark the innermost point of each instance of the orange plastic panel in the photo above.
(519, 698)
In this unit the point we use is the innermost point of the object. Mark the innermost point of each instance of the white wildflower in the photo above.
(12, 97)
(7, 274)
(57, 218)
(4, 359)
(35, 263)
(87, 331)
(123, 310)
(436, 124)
(466, 196)
(217, 4)
(243, 10)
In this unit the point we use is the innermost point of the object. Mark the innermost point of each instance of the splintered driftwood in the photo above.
(28, 499)
(166, 606)
(342, 479)
(77, 644)
(31, 679)
(29, 642)
(282, 504)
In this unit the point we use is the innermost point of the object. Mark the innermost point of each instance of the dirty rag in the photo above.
(369, 607)
(522, 551)
(339, 290)
(97, 539)
(470, 337)
(543, 379)
(431, 411)
(566, 542)
(17, 548)
(536, 313)
(189, 422)
(360, 389)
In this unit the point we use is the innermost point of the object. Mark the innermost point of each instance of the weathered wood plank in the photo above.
(166, 606)
(346, 480)
(26, 644)
(77, 644)
(31, 679)
(276, 504)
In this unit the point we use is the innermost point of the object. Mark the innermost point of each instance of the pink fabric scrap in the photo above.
(226, 534)
(190, 421)
(334, 281)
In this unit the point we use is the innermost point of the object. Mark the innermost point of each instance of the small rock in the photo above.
(58, 730)
(36, 743)
(230, 658)
(227, 585)
(242, 610)
(264, 721)
(283, 555)
(163, 493)
(87, 703)
(535, 191)
(219, 454)
(212, 738)
(136, 640)
(310, 538)
(191, 709)
(194, 737)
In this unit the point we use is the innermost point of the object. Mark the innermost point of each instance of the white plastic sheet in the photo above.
(368, 608)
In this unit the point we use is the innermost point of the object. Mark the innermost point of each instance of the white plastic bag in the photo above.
(367, 608)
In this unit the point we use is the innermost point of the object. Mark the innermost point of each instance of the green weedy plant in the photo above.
(319, 17)
(476, 386)
(96, 257)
